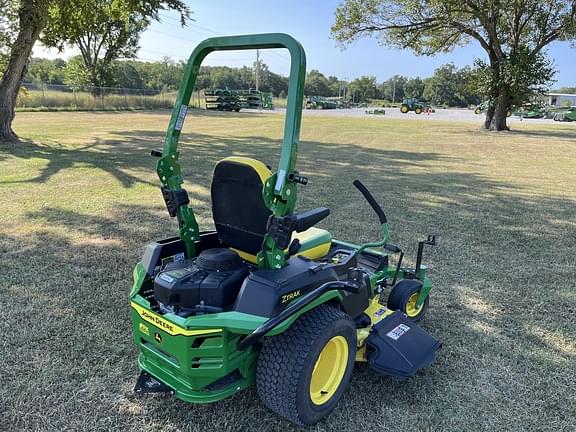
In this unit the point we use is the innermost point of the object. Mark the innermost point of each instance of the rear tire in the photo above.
(404, 109)
(403, 297)
(293, 379)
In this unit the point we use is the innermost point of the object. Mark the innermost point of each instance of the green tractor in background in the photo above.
(266, 297)
(412, 104)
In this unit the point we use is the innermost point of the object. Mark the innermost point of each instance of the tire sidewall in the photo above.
(309, 412)
(400, 294)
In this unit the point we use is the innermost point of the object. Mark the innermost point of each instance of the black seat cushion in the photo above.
(238, 208)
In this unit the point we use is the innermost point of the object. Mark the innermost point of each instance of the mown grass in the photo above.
(80, 201)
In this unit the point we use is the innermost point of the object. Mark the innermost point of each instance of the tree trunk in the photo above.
(489, 117)
(32, 21)
(501, 109)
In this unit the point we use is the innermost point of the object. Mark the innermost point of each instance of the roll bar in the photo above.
(295, 91)
(282, 193)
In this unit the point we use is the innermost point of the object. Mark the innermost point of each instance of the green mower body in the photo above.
(267, 297)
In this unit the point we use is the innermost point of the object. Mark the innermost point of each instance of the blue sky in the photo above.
(309, 22)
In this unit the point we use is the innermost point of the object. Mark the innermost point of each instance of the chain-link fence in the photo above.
(38, 96)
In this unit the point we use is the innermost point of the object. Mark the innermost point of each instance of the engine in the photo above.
(207, 284)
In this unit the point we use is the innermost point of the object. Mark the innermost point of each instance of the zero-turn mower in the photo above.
(267, 298)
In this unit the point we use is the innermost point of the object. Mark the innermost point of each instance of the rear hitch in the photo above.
(146, 383)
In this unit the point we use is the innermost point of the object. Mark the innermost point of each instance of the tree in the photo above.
(46, 71)
(104, 32)
(363, 88)
(317, 84)
(127, 75)
(393, 88)
(8, 20)
(414, 88)
(34, 16)
(567, 90)
(75, 74)
(512, 33)
(450, 86)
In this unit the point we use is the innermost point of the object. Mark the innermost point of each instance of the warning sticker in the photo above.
(166, 278)
(380, 312)
(181, 117)
(179, 257)
(397, 331)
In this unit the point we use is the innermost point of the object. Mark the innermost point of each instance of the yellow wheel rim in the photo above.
(329, 370)
(411, 309)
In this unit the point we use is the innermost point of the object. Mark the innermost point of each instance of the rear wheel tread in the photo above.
(279, 369)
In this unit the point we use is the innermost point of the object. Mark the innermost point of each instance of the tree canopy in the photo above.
(103, 30)
(512, 33)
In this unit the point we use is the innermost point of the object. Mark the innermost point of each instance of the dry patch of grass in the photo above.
(80, 201)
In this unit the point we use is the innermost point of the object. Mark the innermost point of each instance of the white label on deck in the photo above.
(397, 331)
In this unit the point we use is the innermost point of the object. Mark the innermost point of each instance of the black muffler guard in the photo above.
(399, 347)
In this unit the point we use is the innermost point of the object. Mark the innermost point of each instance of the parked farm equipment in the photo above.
(413, 104)
(377, 111)
(235, 100)
(566, 116)
(483, 107)
(320, 102)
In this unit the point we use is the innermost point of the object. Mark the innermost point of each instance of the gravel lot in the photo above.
(450, 114)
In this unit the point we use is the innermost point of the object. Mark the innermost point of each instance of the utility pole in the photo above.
(394, 90)
(257, 69)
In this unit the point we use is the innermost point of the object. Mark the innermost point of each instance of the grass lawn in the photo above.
(80, 200)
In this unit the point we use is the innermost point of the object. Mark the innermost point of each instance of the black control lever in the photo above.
(431, 241)
(373, 203)
(155, 153)
(392, 248)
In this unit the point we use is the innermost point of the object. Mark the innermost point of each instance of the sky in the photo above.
(309, 22)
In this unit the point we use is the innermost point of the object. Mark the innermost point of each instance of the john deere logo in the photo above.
(158, 337)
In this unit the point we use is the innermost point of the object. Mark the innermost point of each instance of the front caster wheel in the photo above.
(404, 296)
(303, 372)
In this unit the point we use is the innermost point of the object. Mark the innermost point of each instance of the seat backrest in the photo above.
(238, 209)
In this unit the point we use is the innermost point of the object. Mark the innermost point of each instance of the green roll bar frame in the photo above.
(279, 190)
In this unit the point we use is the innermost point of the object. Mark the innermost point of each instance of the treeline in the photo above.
(448, 85)
(160, 75)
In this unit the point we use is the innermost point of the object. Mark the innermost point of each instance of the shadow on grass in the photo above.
(502, 302)
(565, 132)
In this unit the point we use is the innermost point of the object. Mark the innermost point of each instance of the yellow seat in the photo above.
(314, 244)
(240, 215)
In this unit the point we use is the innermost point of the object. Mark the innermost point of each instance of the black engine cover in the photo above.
(212, 280)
